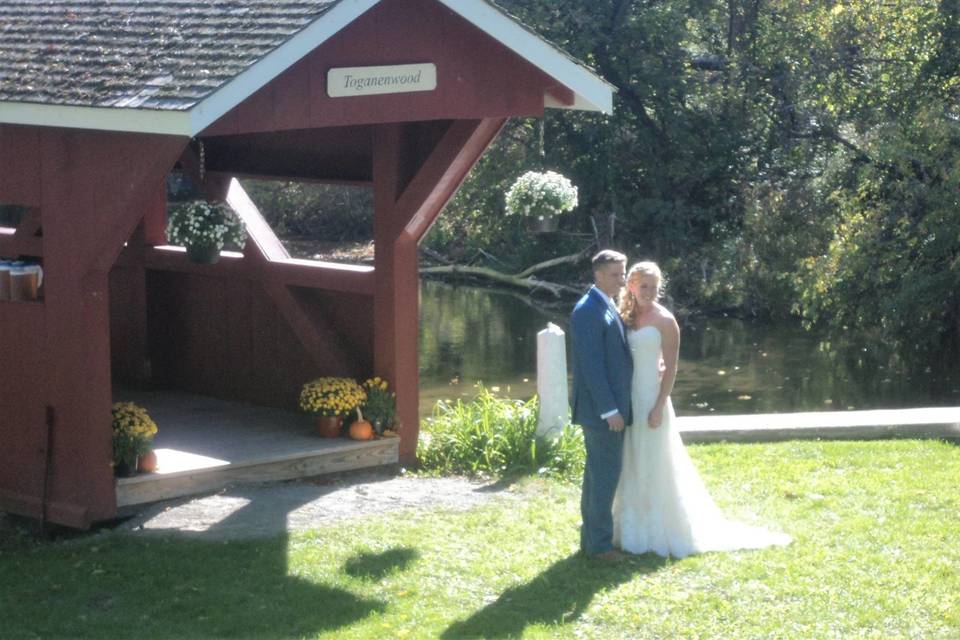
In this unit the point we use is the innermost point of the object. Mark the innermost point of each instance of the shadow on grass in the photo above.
(374, 566)
(201, 584)
(559, 595)
(170, 588)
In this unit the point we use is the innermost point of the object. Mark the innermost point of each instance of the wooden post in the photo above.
(395, 298)
(412, 183)
(95, 189)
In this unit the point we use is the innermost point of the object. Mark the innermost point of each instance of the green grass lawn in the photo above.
(876, 554)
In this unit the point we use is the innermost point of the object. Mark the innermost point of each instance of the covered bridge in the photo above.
(100, 100)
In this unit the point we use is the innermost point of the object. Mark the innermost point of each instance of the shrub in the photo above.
(493, 436)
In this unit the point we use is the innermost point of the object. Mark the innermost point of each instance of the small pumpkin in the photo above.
(361, 429)
(147, 462)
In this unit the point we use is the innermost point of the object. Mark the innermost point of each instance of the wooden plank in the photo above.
(331, 276)
(153, 487)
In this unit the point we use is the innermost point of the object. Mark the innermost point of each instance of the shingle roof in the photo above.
(151, 54)
(174, 66)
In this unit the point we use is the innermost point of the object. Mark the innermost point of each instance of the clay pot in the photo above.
(329, 426)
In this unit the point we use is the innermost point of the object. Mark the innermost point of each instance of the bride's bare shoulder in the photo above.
(663, 314)
(666, 320)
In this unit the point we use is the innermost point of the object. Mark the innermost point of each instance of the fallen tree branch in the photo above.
(553, 262)
(433, 255)
(523, 280)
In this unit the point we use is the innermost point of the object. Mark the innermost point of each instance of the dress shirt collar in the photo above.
(606, 298)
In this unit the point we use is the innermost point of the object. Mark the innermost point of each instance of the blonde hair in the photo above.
(628, 304)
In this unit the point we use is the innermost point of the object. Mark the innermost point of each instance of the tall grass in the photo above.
(496, 436)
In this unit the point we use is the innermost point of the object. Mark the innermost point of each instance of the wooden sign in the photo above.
(368, 81)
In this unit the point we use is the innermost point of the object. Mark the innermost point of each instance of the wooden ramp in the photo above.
(204, 444)
(931, 422)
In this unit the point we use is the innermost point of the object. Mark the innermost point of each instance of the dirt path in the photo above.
(262, 510)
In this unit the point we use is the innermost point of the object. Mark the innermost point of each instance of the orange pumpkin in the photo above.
(147, 462)
(361, 429)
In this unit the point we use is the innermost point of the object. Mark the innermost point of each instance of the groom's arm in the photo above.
(589, 350)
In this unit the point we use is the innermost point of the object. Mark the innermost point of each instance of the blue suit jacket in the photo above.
(602, 366)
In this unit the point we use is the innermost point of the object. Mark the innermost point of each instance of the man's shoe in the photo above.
(610, 556)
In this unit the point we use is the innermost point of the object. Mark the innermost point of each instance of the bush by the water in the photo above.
(496, 436)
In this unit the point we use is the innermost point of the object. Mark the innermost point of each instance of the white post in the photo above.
(552, 382)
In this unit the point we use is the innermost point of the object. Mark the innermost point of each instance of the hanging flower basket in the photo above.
(540, 197)
(543, 224)
(203, 253)
(204, 228)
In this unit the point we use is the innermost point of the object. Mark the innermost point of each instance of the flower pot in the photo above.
(543, 224)
(147, 462)
(203, 253)
(125, 468)
(329, 426)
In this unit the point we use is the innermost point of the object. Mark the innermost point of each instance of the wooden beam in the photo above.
(561, 95)
(138, 187)
(94, 186)
(403, 212)
(311, 179)
(261, 235)
(444, 170)
(317, 335)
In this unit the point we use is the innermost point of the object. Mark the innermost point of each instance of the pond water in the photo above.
(471, 335)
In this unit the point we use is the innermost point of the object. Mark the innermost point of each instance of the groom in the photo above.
(602, 372)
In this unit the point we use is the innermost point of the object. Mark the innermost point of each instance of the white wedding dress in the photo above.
(661, 504)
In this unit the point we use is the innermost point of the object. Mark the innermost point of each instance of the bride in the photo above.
(661, 504)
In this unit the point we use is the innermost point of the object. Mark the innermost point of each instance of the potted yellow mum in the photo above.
(380, 407)
(331, 398)
(133, 432)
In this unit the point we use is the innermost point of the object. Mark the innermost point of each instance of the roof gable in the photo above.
(149, 54)
(175, 66)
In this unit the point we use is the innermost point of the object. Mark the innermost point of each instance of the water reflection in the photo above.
(470, 335)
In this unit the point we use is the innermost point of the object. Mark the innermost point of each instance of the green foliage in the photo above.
(776, 158)
(893, 263)
(380, 407)
(496, 436)
(317, 211)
